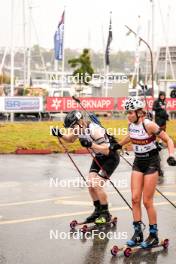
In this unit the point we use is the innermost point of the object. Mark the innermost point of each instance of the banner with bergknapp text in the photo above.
(56, 104)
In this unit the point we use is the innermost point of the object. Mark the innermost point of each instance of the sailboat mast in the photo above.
(29, 47)
(24, 42)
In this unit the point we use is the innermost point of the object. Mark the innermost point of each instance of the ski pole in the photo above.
(68, 154)
(107, 177)
(97, 122)
(70, 157)
(92, 118)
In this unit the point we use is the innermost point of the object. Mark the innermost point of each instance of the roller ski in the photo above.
(89, 219)
(151, 242)
(135, 241)
(100, 218)
(98, 223)
(128, 251)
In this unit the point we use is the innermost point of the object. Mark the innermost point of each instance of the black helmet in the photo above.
(72, 118)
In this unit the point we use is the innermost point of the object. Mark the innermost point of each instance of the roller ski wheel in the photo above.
(73, 224)
(127, 252)
(165, 243)
(114, 221)
(84, 229)
(114, 251)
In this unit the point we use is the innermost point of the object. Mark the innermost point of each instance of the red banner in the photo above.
(171, 103)
(57, 104)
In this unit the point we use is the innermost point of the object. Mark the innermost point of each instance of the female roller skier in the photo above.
(142, 134)
(94, 137)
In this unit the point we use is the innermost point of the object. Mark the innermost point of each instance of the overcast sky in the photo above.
(87, 22)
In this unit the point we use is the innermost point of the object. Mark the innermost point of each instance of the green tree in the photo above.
(4, 78)
(83, 68)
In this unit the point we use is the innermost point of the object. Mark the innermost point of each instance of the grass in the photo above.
(36, 135)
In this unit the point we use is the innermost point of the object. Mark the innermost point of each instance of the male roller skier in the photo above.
(94, 137)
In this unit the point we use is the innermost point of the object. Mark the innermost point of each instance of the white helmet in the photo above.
(133, 104)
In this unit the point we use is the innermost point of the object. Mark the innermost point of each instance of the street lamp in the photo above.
(151, 54)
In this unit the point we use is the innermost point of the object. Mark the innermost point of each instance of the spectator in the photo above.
(161, 117)
(159, 106)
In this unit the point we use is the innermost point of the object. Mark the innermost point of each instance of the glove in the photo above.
(56, 132)
(159, 146)
(115, 146)
(171, 161)
(85, 142)
(149, 115)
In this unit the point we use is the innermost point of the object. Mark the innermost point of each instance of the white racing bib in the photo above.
(141, 140)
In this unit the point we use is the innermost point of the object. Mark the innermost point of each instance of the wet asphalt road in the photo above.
(38, 199)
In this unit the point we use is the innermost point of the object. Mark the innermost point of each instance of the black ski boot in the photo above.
(152, 239)
(137, 238)
(104, 216)
(95, 214)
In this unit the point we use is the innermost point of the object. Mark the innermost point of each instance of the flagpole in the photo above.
(56, 68)
(106, 88)
(63, 55)
(24, 43)
(59, 48)
(107, 61)
(29, 46)
(137, 55)
(12, 57)
(103, 45)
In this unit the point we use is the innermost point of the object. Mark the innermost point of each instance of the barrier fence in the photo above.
(65, 104)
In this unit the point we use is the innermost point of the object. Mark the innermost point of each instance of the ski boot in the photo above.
(104, 216)
(152, 240)
(137, 238)
(95, 214)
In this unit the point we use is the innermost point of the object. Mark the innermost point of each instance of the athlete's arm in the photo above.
(70, 137)
(99, 143)
(103, 148)
(153, 128)
(125, 140)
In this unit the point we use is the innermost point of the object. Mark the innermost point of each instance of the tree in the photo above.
(83, 68)
(4, 78)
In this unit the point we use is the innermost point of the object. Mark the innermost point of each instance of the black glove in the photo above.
(85, 142)
(115, 146)
(149, 115)
(171, 161)
(159, 146)
(56, 132)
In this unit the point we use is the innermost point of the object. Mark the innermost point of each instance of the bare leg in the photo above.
(136, 189)
(150, 182)
(91, 188)
(100, 191)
